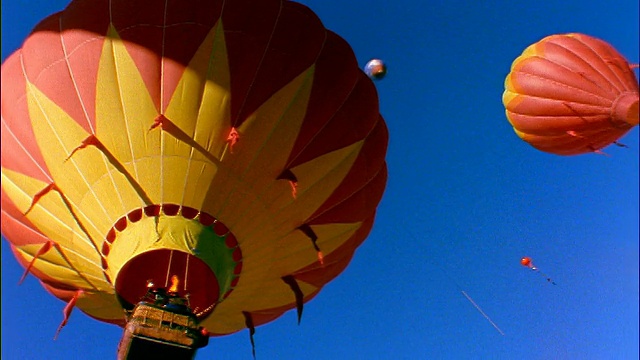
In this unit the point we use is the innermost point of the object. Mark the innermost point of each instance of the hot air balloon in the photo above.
(375, 69)
(528, 263)
(233, 149)
(571, 94)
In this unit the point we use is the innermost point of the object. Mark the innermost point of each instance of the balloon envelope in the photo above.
(571, 94)
(236, 145)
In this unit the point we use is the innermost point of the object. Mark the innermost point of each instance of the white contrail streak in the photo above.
(481, 312)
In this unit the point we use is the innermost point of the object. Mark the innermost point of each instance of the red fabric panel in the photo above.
(45, 66)
(16, 228)
(296, 41)
(20, 151)
(60, 290)
(359, 193)
(352, 122)
(248, 25)
(337, 261)
(336, 61)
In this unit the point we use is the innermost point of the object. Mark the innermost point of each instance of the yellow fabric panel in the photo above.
(116, 194)
(269, 229)
(54, 220)
(60, 135)
(125, 112)
(293, 251)
(183, 185)
(200, 106)
(508, 96)
(228, 317)
(258, 255)
(521, 134)
(50, 211)
(80, 274)
(266, 137)
(264, 148)
(318, 179)
(530, 51)
(173, 182)
(262, 151)
(103, 305)
(259, 289)
(199, 176)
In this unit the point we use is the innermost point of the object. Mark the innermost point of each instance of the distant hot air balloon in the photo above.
(375, 69)
(571, 94)
(528, 263)
(232, 146)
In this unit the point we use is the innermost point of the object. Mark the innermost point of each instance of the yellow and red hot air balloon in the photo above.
(571, 94)
(235, 145)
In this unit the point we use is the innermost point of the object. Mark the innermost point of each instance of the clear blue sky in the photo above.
(466, 199)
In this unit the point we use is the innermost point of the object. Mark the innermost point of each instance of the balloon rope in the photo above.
(66, 312)
(248, 320)
(43, 250)
(224, 151)
(543, 274)
(186, 273)
(166, 282)
(299, 295)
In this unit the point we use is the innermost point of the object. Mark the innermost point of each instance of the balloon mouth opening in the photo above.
(625, 109)
(176, 271)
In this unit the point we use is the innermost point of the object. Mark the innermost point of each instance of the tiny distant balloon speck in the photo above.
(375, 69)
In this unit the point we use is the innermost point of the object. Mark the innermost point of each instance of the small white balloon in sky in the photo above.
(375, 69)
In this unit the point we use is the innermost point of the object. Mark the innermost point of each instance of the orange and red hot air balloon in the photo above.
(571, 94)
(235, 145)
